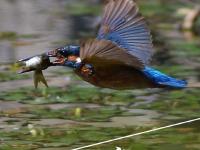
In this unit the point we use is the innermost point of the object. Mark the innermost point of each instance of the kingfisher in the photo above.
(119, 57)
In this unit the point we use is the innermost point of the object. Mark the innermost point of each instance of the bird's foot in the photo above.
(87, 70)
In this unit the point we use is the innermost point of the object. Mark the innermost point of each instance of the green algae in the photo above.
(8, 35)
(57, 137)
(80, 9)
(184, 103)
(76, 93)
(10, 76)
(95, 114)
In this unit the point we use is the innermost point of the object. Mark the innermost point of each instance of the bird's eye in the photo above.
(63, 53)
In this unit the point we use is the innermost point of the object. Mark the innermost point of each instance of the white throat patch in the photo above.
(78, 60)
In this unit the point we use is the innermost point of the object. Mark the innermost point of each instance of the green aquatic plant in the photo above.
(10, 76)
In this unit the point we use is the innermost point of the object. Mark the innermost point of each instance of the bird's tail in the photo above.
(163, 80)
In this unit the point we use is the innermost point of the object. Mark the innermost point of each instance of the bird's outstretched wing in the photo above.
(104, 52)
(122, 24)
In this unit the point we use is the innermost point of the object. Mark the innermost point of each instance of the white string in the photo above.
(140, 133)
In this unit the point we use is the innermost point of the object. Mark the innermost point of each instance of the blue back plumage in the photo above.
(162, 79)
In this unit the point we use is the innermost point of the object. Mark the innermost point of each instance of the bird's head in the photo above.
(63, 55)
(59, 55)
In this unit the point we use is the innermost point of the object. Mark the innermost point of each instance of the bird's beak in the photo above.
(58, 58)
(52, 53)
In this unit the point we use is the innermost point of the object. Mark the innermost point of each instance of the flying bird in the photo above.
(118, 58)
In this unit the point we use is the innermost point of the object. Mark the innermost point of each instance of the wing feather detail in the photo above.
(123, 25)
(102, 52)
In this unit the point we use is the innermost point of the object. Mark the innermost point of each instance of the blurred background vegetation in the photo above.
(72, 113)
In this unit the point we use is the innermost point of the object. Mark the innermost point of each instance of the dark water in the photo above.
(72, 113)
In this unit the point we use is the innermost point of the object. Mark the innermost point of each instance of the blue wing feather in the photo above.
(123, 25)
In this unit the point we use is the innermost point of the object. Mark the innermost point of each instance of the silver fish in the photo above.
(36, 64)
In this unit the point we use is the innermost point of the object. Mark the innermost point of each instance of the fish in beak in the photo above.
(38, 63)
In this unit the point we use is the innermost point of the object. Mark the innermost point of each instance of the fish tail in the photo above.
(163, 80)
(39, 77)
